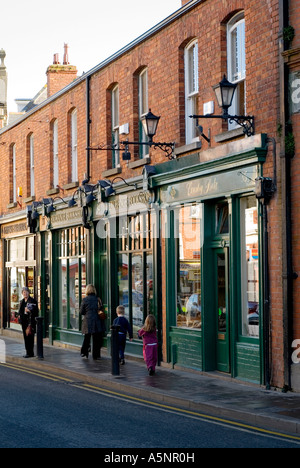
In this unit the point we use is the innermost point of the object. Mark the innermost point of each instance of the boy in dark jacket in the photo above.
(125, 328)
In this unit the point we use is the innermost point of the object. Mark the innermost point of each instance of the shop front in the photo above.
(126, 248)
(64, 254)
(18, 248)
(213, 263)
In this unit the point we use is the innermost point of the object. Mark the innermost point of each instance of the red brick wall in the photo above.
(163, 55)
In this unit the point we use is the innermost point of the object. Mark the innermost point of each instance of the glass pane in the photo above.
(17, 250)
(222, 308)
(63, 303)
(222, 218)
(149, 272)
(189, 267)
(137, 293)
(30, 248)
(74, 294)
(17, 282)
(123, 283)
(250, 267)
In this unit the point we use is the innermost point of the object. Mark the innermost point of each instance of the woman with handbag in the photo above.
(28, 312)
(93, 323)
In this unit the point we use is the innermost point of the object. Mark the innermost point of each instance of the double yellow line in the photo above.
(141, 401)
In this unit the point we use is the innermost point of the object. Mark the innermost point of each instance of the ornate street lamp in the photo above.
(224, 93)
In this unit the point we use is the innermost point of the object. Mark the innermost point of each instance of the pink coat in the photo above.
(150, 348)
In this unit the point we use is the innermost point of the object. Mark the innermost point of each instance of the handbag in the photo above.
(29, 330)
(101, 312)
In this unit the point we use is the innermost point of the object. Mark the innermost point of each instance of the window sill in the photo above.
(112, 172)
(230, 135)
(71, 185)
(29, 199)
(196, 145)
(139, 163)
(53, 191)
(10, 206)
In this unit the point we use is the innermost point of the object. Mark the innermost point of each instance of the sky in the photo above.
(32, 31)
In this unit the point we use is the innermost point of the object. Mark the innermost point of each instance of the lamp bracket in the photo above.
(245, 121)
(167, 148)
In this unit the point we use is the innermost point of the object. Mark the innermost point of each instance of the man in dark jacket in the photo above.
(28, 312)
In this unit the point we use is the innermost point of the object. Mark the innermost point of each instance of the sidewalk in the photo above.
(207, 394)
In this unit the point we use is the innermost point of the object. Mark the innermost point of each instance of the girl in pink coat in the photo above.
(150, 348)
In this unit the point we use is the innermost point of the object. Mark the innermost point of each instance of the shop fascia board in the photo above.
(249, 151)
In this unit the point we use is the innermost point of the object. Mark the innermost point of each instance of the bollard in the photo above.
(115, 363)
(39, 338)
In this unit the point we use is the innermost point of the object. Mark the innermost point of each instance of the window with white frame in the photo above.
(143, 110)
(55, 153)
(14, 175)
(115, 125)
(236, 54)
(191, 90)
(31, 153)
(74, 156)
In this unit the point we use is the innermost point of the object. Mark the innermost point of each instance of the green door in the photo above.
(222, 309)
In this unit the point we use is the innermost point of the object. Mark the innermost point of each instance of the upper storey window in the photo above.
(191, 90)
(236, 53)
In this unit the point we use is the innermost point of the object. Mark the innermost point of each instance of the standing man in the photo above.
(28, 312)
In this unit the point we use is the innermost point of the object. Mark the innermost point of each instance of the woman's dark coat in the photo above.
(28, 319)
(91, 322)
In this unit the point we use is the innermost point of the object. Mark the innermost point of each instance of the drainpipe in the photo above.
(287, 269)
(88, 132)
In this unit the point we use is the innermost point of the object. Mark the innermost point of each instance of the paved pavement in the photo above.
(209, 394)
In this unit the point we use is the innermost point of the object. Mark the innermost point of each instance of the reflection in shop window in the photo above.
(250, 267)
(72, 276)
(188, 223)
(135, 268)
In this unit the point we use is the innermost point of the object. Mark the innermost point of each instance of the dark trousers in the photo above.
(29, 343)
(122, 345)
(97, 344)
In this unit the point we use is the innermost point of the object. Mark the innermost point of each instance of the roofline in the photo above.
(151, 32)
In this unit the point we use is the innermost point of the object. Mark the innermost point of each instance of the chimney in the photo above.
(59, 76)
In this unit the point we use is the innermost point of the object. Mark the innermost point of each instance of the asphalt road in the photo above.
(45, 411)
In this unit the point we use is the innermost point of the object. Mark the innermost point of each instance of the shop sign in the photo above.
(14, 230)
(124, 204)
(65, 218)
(212, 186)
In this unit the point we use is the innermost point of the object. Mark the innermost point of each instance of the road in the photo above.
(40, 410)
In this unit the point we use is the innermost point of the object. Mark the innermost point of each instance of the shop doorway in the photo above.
(221, 309)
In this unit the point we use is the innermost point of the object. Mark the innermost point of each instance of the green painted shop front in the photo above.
(188, 249)
(213, 260)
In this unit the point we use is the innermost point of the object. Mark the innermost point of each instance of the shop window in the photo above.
(188, 234)
(20, 270)
(72, 276)
(135, 268)
(249, 267)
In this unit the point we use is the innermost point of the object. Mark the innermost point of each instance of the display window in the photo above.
(71, 276)
(135, 268)
(20, 272)
(188, 235)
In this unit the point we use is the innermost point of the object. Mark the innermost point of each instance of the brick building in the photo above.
(189, 236)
